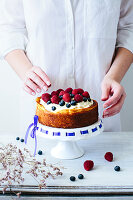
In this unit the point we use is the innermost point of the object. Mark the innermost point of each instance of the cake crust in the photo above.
(67, 118)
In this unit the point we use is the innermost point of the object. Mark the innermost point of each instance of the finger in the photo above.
(115, 108)
(32, 85)
(116, 95)
(42, 75)
(29, 90)
(105, 92)
(36, 79)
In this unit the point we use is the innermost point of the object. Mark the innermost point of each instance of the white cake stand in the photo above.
(67, 147)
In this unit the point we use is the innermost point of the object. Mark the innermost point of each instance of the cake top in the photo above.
(66, 99)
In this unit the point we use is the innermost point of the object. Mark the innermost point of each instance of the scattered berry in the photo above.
(68, 105)
(84, 99)
(40, 152)
(22, 140)
(88, 165)
(108, 156)
(75, 91)
(80, 91)
(46, 97)
(68, 90)
(55, 99)
(60, 96)
(48, 102)
(17, 138)
(62, 103)
(86, 94)
(54, 93)
(117, 168)
(80, 176)
(66, 97)
(78, 98)
(62, 93)
(53, 108)
(89, 99)
(72, 178)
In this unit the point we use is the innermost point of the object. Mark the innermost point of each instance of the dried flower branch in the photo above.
(12, 164)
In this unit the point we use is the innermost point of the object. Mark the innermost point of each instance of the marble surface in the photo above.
(102, 179)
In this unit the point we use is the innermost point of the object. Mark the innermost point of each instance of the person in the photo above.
(56, 44)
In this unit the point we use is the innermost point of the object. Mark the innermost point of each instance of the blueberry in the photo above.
(117, 168)
(60, 96)
(73, 102)
(72, 178)
(85, 99)
(17, 138)
(48, 102)
(62, 103)
(80, 176)
(71, 95)
(89, 99)
(22, 140)
(53, 108)
(68, 105)
(40, 152)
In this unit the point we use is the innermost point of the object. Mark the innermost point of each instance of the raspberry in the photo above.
(108, 156)
(46, 97)
(54, 93)
(86, 94)
(88, 165)
(80, 91)
(61, 93)
(66, 97)
(68, 90)
(75, 91)
(59, 90)
(55, 99)
(78, 98)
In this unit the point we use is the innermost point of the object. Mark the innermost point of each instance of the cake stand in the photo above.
(67, 147)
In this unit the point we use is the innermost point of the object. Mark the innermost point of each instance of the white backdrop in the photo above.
(10, 100)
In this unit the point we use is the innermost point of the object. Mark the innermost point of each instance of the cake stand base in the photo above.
(67, 150)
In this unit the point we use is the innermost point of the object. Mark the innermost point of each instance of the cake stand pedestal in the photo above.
(67, 147)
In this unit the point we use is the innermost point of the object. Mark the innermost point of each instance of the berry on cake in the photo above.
(70, 108)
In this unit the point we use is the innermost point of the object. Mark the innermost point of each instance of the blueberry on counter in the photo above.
(53, 108)
(117, 168)
(68, 105)
(40, 152)
(72, 178)
(22, 140)
(80, 176)
(17, 138)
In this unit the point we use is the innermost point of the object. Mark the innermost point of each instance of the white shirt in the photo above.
(73, 41)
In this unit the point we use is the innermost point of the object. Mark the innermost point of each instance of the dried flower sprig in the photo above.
(13, 161)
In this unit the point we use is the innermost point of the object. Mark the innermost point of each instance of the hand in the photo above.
(114, 95)
(36, 80)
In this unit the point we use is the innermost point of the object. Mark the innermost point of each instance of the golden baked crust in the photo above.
(67, 118)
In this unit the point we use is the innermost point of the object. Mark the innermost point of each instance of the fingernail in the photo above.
(33, 93)
(48, 83)
(38, 90)
(45, 88)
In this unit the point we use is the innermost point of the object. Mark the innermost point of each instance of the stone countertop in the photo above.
(102, 179)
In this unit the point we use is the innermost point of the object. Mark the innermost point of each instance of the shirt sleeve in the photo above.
(125, 26)
(13, 34)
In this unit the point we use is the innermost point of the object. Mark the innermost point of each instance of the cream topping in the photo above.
(79, 105)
